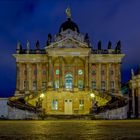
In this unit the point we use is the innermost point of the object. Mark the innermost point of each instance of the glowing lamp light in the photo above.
(92, 95)
(42, 95)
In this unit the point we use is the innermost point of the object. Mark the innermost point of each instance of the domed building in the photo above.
(68, 76)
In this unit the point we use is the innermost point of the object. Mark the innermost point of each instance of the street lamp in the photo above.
(92, 95)
(42, 95)
(94, 107)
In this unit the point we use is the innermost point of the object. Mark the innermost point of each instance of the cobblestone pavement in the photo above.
(70, 130)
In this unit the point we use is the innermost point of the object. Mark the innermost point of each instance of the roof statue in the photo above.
(132, 72)
(28, 45)
(68, 12)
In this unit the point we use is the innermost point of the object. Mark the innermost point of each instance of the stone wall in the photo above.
(19, 114)
(119, 113)
(3, 108)
(7, 112)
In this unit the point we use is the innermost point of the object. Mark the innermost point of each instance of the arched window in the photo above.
(68, 81)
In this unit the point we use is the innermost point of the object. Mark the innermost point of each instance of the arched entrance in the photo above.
(68, 81)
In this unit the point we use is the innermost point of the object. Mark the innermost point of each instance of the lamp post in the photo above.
(40, 101)
(94, 107)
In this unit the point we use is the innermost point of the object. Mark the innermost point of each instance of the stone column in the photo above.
(17, 76)
(119, 76)
(108, 77)
(86, 74)
(22, 77)
(63, 73)
(139, 100)
(29, 76)
(133, 102)
(39, 77)
(50, 72)
(75, 74)
(17, 92)
(90, 76)
(99, 77)
(60, 72)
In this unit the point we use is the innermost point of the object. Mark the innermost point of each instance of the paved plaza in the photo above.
(70, 130)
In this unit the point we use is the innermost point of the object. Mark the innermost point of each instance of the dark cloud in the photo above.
(22, 20)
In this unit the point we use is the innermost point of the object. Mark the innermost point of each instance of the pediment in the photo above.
(68, 42)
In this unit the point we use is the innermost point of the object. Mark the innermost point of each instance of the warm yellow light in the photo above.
(42, 95)
(92, 95)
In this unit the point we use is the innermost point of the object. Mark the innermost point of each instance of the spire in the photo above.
(68, 12)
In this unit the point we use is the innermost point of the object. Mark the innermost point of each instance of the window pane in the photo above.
(44, 84)
(57, 72)
(56, 84)
(34, 85)
(81, 104)
(80, 84)
(93, 84)
(55, 104)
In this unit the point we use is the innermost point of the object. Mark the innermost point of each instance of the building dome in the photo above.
(69, 24)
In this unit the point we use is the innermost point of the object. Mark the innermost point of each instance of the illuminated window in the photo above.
(34, 85)
(68, 81)
(80, 72)
(56, 84)
(44, 85)
(81, 104)
(80, 84)
(93, 85)
(112, 85)
(54, 104)
(57, 72)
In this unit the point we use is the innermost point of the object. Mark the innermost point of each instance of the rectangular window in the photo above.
(57, 72)
(112, 72)
(81, 104)
(93, 85)
(44, 84)
(56, 84)
(34, 85)
(54, 104)
(103, 72)
(25, 85)
(103, 85)
(80, 84)
(112, 85)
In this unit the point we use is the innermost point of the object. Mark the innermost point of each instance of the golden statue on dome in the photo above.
(68, 12)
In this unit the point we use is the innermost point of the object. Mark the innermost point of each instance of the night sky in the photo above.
(22, 20)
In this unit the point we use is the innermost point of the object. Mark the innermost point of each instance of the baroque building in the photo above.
(67, 70)
(134, 94)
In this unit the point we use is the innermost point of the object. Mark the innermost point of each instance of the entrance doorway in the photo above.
(68, 106)
(68, 81)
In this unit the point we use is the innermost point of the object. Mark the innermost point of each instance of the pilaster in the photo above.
(39, 77)
(133, 103)
(50, 73)
(139, 101)
(86, 74)
(108, 77)
(29, 76)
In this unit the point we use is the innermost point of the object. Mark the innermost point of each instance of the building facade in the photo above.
(66, 70)
(134, 94)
